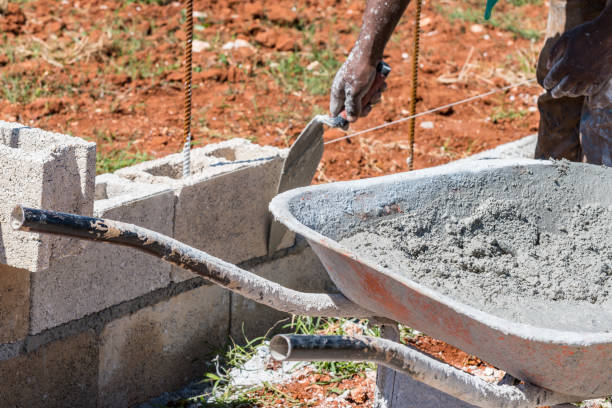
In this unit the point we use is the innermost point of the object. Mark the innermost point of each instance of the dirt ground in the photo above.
(110, 71)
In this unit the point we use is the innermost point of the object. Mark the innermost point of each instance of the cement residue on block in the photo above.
(222, 208)
(101, 275)
(41, 169)
(543, 258)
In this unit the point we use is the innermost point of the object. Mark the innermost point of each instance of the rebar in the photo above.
(188, 63)
(415, 77)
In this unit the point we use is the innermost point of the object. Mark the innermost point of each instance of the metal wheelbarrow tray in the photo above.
(569, 362)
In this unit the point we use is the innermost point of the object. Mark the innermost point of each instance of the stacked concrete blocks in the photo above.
(99, 275)
(91, 324)
(222, 208)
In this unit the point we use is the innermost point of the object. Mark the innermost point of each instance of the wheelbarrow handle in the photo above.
(417, 365)
(177, 253)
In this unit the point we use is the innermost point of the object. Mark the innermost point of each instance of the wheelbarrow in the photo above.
(545, 366)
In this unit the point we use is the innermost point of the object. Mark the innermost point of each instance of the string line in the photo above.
(439, 108)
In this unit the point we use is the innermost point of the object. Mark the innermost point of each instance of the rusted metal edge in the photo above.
(417, 365)
(170, 250)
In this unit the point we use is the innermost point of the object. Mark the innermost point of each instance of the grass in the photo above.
(236, 355)
(290, 73)
(17, 88)
(505, 113)
(116, 158)
(511, 22)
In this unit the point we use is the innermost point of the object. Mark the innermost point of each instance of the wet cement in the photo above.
(501, 259)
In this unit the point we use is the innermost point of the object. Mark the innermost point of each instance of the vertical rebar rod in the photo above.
(188, 69)
(415, 77)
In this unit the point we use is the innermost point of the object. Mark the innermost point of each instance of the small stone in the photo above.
(200, 14)
(476, 28)
(239, 43)
(405, 55)
(199, 46)
(313, 65)
(427, 125)
(486, 37)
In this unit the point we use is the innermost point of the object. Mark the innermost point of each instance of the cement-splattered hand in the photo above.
(351, 83)
(581, 60)
(357, 74)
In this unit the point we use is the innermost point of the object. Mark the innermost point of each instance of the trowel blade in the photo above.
(299, 169)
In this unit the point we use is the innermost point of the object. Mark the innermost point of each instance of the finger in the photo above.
(578, 90)
(555, 75)
(560, 90)
(352, 104)
(336, 101)
(557, 52)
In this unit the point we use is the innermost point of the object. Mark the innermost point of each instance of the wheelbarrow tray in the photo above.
(569, 362)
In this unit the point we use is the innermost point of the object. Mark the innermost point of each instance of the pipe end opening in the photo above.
(280, 347)
(17, 217)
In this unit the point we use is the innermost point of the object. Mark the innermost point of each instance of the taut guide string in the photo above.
(439, 108)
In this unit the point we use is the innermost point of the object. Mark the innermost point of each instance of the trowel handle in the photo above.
(382, 71)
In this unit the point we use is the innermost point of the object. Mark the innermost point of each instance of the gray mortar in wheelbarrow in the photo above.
(570, 364)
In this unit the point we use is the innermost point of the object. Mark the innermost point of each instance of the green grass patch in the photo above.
(236, 355)
(110, 161)
(337, 370)
(17, 88)
(504, 113)
(512, 22)
(520, 3)
(291, 74)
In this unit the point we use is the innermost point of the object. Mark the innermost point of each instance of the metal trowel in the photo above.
(306, 152)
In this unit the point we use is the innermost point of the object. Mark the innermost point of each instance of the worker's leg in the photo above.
(558, 134)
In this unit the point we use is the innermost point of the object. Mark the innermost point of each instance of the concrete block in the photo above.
(222, 208)
(300, 271)
(60, 374)
(41, 169)
(161, 347)
(14, 303)
(101, 275)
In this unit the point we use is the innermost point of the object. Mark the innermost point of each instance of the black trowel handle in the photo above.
(382, 71)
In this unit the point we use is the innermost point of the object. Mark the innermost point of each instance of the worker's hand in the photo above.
(352, 82)
(581, 60)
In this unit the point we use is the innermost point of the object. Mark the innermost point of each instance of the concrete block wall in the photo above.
(94, 325)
